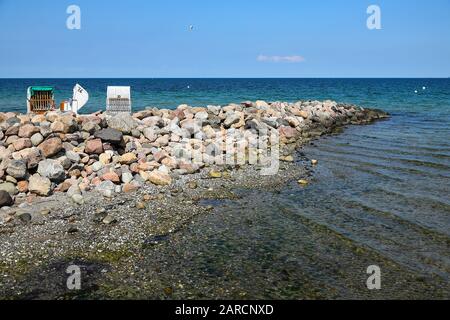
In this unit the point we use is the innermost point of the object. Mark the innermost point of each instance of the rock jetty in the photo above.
(64, 153)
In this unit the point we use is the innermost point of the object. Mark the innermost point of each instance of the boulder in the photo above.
(90, 127)
(73, 156)
(150, 134)
(52, 170)
(22, 143)
(8, 187)
(262, 105)
(231, 119)
(39, 185)
(159, 178)
(106, 188)
(36, 139)
(17, 169)
(5, 199)
(27, 130)
(94, 146)
(127, 177)
(110, 135)
(111, 176)
(287, 132)
(123, 122)
(12, 131)
(50, 147)
(128, 158)
(4, 153)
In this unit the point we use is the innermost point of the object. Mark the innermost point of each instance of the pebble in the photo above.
(193, 185)
(140, 205)
(109, 220)
(72, 230)
(78, 199)
(215, 174)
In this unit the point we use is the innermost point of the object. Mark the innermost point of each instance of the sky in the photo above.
(232, 38)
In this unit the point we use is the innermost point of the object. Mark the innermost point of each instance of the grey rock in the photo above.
(17, 169)
(78, 199)
(65, 162)
(106, 189)
(45, 129)
(5, 199)
(127, 177)
(9, 187)
(123, 122)
(150, 134)
(97, 166)
(73, 190)
(25, 217)
(73, 156)
(109, 220)
(90, 127)
(110, 135)
(52, 170)
(36, 139)
(231, 119)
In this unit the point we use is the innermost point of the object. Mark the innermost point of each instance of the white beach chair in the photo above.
(118, 100)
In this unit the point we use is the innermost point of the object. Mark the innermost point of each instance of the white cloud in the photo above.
(276, 59)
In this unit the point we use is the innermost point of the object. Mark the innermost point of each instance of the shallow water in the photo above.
(373, 200)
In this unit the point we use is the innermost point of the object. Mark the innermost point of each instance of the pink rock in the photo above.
(111, 176)
(159, 155)
(27, 130)
(96, 181)
(94, 146)
(22, 143)
(128, 187)
(288, 132)
(50, 147)
(134, 167)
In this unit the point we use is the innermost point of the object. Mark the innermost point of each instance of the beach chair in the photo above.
(40, 99)
(118, 100)
(79, 99)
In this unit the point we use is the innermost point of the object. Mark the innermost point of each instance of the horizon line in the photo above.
(158, 78)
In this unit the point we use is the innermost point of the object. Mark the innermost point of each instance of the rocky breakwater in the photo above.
(63, 153)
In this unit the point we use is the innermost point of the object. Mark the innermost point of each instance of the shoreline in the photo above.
(53, 230)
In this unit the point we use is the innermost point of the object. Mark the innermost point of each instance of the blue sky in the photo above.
(232, 38)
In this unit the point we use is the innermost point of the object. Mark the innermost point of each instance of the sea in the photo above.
(379, 196)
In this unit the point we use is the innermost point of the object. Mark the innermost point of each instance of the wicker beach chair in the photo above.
(40, 99)
(118, 100)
